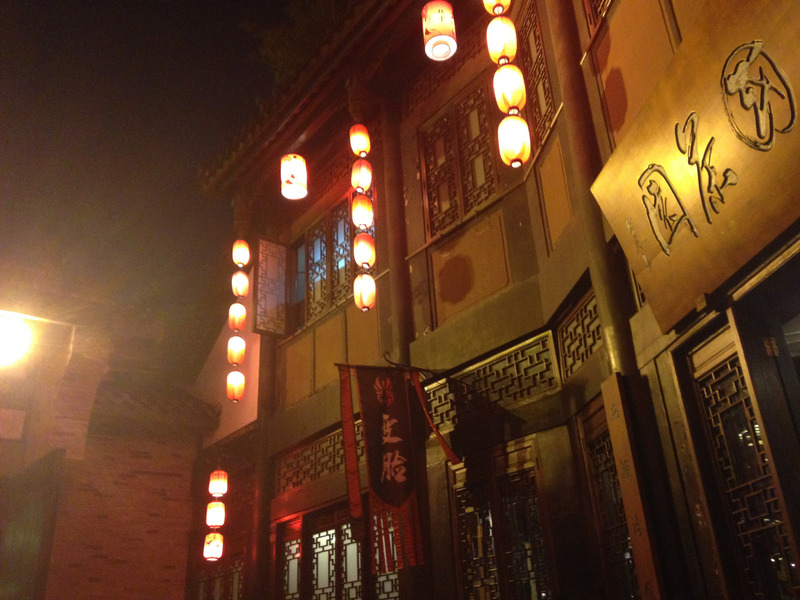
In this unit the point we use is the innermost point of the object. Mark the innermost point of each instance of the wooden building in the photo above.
(608, 334)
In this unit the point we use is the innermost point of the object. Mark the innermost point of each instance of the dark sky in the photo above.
(107, 109)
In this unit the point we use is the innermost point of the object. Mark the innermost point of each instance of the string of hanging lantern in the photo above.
(439, 30)
(215, 515)
(237, 316)
(513, 134)
(363, 216)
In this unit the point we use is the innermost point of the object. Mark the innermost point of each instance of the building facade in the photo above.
(606, 335)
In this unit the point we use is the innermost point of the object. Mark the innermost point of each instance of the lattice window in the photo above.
(333, 565)
(501, 541)
(762, 545)
(327, 271)
(476, 543)
(541, 104)
(523, 371)
(579, 336)
(459, 161)
(524, 557)
(617, 552)
(312, 461)
(317, 270)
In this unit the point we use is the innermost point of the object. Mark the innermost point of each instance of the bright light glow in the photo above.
(16, 338)
(235, 386)
(364, 250)
(240, 284)
(496, 7)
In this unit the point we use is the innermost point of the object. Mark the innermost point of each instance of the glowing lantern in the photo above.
(218, 483)
(237, 315)
(501, 38)
(212, 549)
(240, 284)
(439, 30)
(361, 211)
(16, 338)
(235, 386)
(364, 291)
(215, 514)
(509, 89)
(294, 177)
(236, 348)
(361, 175)
(514, 140)
(364, 250)
(359, 140)
(496, 7)
(241, 253)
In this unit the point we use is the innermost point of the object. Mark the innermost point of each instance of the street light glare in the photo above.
(15, 338)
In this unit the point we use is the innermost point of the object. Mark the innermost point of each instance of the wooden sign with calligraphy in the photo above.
(707, 174)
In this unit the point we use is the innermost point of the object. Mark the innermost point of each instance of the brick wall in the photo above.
(123, 521)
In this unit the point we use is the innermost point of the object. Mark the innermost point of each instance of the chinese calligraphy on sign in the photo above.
(394, 462)
(761, 88)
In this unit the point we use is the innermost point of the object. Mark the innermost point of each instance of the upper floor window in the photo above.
(459, 160)
(322, 271)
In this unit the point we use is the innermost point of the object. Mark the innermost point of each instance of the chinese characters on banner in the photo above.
(705, 177)
(383, 394)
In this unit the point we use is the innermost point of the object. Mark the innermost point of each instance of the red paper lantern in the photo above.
(514, 141)
(496, 7)
(212, 548)
(364, 250)
(361, 211)
(439, 30)
(364, 291)
(218, 483)
(294, 177)
(501, 38)
(240, 284)
(236, 347)
(359, 140)
(237, 316)
(361, 175)
(241, 253)
(235, 386)
(215, 514)
(509, 89)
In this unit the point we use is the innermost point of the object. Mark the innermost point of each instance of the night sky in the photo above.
(107, 110)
